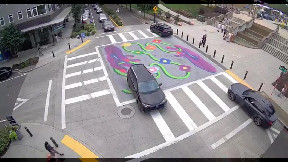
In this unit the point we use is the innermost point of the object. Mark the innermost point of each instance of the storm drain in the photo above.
(126, 112)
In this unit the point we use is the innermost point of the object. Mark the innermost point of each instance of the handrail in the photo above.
(268, 37)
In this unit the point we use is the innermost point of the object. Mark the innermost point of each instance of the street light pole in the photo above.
(154, 17)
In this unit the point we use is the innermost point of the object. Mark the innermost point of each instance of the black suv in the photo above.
(145, 88)
(161, 29)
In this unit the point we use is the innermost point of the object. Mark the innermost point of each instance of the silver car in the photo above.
(102, 17)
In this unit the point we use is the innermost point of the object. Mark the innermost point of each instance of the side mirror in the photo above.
(160, 84)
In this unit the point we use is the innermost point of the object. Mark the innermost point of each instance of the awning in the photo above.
(59, 18)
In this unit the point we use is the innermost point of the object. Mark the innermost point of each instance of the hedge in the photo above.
(5, 138)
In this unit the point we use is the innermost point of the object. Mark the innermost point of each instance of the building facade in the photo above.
(38, 22)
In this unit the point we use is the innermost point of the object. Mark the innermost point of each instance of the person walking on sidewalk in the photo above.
(204, 39)
(219, 26)
(222, 27)
(51, 149)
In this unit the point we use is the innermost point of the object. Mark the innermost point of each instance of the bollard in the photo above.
(245, 75)
(222, 59)
(199, 44)
(182, 35)
(69, 46)
(231, 64)
(28, 131)
(214, 53)
(206, 48)
(187, 37)
(260, 87)
(193, 40)
(177, 31)
(54, 142)
(53, 54)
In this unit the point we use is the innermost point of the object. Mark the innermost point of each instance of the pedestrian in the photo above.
(52, 151)
(225, 32)
(56, 38)
(204, 39)
(219, 26)
(281, 94)
(222, 27)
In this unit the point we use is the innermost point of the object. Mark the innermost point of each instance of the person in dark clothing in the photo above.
(49, 148)
(204, 40)
(225, 32)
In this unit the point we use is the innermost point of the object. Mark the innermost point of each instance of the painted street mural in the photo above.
(161, 58)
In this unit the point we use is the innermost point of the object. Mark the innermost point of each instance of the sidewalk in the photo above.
(261, 66)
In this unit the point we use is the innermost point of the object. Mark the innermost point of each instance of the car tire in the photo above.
(257, 121)
(231, 96)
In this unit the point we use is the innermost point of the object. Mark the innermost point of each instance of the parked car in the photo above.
(254, 103)
(108, 26)
(85, 18)
(99, 10)
(145, 88)
(96, 6)
(161, 29)
(102, 17)
(5, 72)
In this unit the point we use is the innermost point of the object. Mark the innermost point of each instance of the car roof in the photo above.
(142, 73)
(260, 98)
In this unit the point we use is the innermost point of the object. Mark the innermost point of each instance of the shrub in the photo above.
(93, 31)
(4, 138)
(168, 15)
(177, 18)
(74, 34)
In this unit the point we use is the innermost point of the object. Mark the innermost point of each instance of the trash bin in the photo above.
(19, 134)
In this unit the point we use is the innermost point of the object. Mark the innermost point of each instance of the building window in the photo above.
(29, 13)
(58, 5)
(34, 11)
(2, 22)
(20, 16)
(53, 7)
(41, 9)
(11, 18)
(49, 7)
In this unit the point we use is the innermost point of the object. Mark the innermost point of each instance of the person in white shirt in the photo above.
(219, 26)
(222, 28)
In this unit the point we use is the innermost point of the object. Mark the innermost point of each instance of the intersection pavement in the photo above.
(85, 99)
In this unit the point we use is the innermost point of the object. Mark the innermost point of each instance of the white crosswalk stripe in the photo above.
(122, 37)
(85, 55)
(213, 96)
(219, 84)
(133, 36)
(143, 34)
(86, 97)
(113, 41)
(81, 63)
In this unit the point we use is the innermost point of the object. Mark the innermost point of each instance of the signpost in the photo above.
(155, 11)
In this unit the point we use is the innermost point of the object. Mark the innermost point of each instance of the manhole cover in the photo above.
(125, 112)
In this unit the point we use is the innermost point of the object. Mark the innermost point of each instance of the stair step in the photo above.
(276, 52)
(255, 33)
(248, 37)
(244, 42)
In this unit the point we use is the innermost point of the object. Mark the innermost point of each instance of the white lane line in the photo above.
(199, 103)
(113, 41)
(177, 87)
(85, 55)
(231, 134)
(91, 81)
(133, 36)
(229, 77)
(122, 37)
(22, 102)
(86, 97)
(219, 84)
(63, 118)
(112, 90)
(82, 63)
(144, 35)
(47, 100)
(162, 125)
(274, 135)
(2, 121)
(269, 135)
(275, 130)
(213, 96)
(152, 33)
(180, 138)
(180, 111)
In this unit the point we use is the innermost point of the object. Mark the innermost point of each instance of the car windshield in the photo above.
(149, 86)
(108, 23)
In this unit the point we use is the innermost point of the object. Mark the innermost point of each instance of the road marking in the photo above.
(274, 135)
(231, 134)
(82, 63)
(91, 81)
(78, 148)
(133, 36)
(80, 46)
(238, 79)
(152, 33)
(122, 37)
(162, 125)
(22, 102)
(180, 111)
(47, 101)
(219, 84)
(275, 130)
(85, 55)
(107, 33)
(269, 135)
(213, 96)
(13, 78)
(63, 119)
(199, 103)
(112, 90)
(144, 35)
(86, 97)
(180, 138)
(113, 41)
(83, 72)
(230, 78)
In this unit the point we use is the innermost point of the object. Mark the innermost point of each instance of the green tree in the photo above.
(11, 38)
(77, 11)
(145, 7)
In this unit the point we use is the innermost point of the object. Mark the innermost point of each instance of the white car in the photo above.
(102, 17)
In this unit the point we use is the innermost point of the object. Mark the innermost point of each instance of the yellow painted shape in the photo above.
(238, 79)
(88, 160)
(80, 46)
(77, 147)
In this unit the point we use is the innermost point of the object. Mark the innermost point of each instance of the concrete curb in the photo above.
(32, 68)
